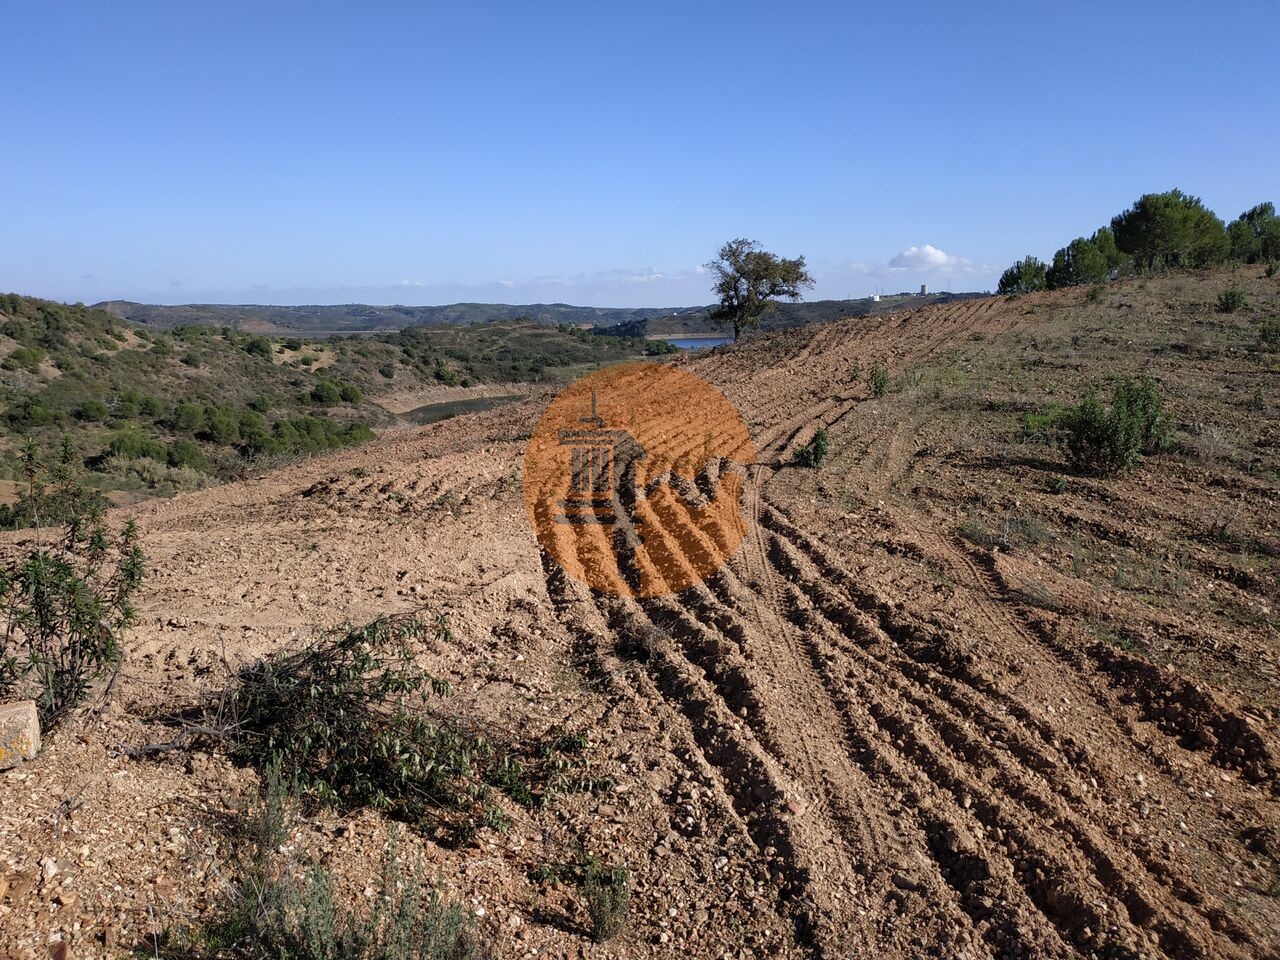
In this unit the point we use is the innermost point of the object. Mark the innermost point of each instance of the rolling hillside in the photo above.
(155, 411)
(951, 697)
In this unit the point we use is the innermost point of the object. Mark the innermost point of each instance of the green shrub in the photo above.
(306, 435)
(186, 453)
(350, 393)
(1269, 334)
(251, 423)
(259, 347)
(347, 716)
(607, 890)
(93, 411)
(16, 329)
(188, 417)
(1095, 293)
(814, 452)
(220, 425)
(879, 379)
(152, 407)
(325, 393)
(1273, 267)
(388, 370)
(31, 412)
(1106, 441)
(1231, 300)
(25, 358)
(356, 433)
(130, 443)
(67, 605)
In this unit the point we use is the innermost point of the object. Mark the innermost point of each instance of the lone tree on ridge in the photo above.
(748, 280)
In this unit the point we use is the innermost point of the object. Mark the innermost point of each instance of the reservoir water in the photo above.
(697, 343)
(431, 412)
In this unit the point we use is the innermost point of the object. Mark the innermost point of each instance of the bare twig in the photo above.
(183, 741)
(68, 805)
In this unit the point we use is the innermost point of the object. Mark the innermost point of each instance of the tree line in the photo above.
(1161, 231)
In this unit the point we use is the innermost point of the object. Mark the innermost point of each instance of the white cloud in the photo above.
(650, 275)
(922, 264)
(928, 258)
(412, 283)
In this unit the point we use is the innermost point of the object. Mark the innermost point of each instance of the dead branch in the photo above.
(185, 740)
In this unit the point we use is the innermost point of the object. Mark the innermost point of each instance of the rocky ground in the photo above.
(948, 699)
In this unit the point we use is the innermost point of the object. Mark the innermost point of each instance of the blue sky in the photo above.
(599, 153)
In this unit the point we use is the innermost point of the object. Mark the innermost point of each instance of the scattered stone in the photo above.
(19, 733)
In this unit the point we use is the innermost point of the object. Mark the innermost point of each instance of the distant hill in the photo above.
(693, 320)
(323, 321)
(320, 321)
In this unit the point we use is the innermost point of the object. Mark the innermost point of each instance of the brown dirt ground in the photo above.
(940, 703)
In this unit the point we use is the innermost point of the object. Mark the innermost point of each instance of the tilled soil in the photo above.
(930, 708)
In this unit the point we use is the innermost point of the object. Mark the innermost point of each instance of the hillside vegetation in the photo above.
(156, 411)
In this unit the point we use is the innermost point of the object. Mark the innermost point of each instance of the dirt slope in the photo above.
(939, 704)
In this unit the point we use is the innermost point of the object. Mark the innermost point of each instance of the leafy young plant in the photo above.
(879, 379)
(66, 605)
(51, 493)
(814, 452)
(1231, 300)
(1106, 441)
